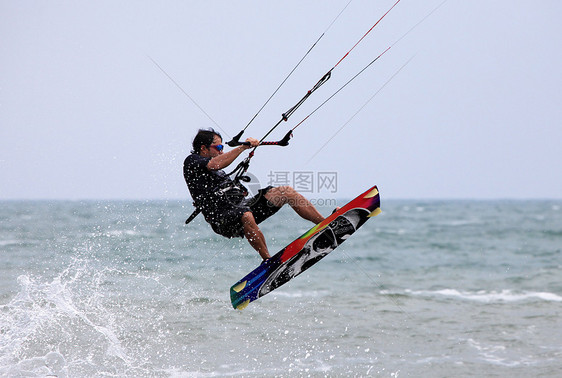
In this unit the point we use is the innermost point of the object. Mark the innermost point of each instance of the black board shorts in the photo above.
(230, 223)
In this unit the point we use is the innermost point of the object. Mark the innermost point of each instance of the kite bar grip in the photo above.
(235, 141)
(283, 142)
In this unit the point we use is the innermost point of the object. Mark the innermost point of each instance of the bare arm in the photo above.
(224, 160)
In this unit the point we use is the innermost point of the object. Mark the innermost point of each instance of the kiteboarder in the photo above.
(224, 203)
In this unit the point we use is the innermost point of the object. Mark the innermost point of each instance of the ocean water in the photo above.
(426, 289)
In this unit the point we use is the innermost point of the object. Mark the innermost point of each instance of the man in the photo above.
(224, 204)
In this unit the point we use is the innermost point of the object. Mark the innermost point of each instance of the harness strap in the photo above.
(221, 192)
(193, 215)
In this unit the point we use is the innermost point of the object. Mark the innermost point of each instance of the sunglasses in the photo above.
(218, 147)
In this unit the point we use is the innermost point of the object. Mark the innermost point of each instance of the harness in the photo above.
(235, 189)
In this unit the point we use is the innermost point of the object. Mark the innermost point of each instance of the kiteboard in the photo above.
(307, 250)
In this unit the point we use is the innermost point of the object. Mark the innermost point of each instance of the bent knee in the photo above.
(277, 196)
(286, 189)
(285, 192)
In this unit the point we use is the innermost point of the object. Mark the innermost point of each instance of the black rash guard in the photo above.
(220, 200)
(212, 191)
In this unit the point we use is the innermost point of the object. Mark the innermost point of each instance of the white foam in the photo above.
(463, 222)
(119, 233)
(489, 296)
(37, 307)
(300, 294)
(495, 354)
(4, 243)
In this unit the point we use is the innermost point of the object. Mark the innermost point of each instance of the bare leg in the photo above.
(254, 235)
(286, 194)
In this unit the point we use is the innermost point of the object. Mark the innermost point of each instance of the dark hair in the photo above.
(205, 138)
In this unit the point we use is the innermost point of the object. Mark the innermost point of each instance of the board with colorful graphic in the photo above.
(307, 250)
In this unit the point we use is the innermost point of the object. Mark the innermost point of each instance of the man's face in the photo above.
(212, 150)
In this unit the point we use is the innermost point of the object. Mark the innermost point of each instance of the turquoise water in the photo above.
(427, 288)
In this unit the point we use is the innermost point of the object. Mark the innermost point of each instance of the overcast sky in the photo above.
(85, 113)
